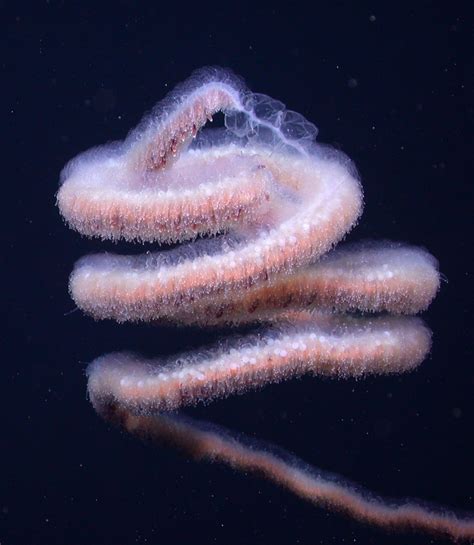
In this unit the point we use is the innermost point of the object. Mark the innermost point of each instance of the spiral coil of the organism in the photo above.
(258, 207)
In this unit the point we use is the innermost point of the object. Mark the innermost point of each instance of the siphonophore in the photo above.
(258, 208)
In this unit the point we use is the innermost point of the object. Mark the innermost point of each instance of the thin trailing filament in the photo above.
(216, 444)
(258, 208)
